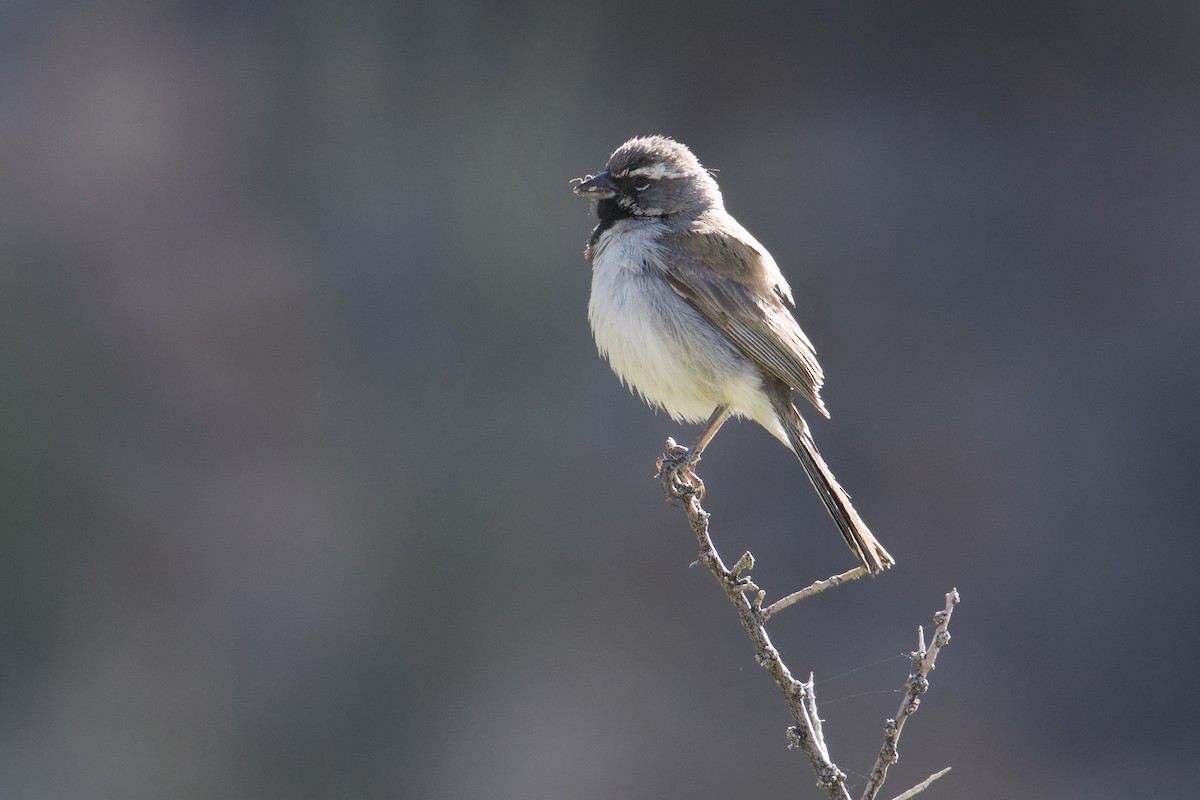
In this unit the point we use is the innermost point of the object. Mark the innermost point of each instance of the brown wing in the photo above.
(733, 282)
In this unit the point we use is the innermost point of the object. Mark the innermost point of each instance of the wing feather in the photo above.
(734, 283)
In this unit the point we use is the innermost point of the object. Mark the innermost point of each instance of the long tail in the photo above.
(856, 533)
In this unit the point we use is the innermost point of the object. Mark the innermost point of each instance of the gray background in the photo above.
(313, 485)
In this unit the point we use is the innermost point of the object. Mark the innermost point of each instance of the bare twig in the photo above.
(922, 786)
(917, 685)
(683, 487)
(806, 734)
(816, 588)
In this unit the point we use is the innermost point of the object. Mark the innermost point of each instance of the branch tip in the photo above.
(922, 786)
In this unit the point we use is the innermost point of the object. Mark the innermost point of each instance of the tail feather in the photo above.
(856, 533)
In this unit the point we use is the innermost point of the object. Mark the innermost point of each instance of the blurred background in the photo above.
(313, 485)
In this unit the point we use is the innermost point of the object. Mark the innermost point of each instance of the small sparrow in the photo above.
(692, 312)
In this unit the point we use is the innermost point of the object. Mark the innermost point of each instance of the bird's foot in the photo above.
(676, 471)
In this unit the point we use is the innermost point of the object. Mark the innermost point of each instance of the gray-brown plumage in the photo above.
(692, 312)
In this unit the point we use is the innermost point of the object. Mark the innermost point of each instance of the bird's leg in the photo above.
(710, 430)
(680, 462)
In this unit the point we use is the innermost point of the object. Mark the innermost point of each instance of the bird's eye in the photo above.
(641, 187)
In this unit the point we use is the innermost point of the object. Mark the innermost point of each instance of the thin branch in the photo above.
(676, 477)
(683, 487)
(816, 588)
(922, 786)
(917, 685)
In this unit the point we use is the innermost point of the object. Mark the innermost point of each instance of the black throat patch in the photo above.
(609, 212)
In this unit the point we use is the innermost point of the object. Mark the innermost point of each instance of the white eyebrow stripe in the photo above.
(655, 172)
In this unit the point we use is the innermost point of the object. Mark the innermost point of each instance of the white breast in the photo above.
(657, 343)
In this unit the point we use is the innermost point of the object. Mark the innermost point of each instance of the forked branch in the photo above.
(682, 486)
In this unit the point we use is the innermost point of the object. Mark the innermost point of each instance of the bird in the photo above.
(693, 314)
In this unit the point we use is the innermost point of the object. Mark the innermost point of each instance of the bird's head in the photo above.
(651, 176)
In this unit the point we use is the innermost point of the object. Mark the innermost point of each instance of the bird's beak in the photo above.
(598, 185)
